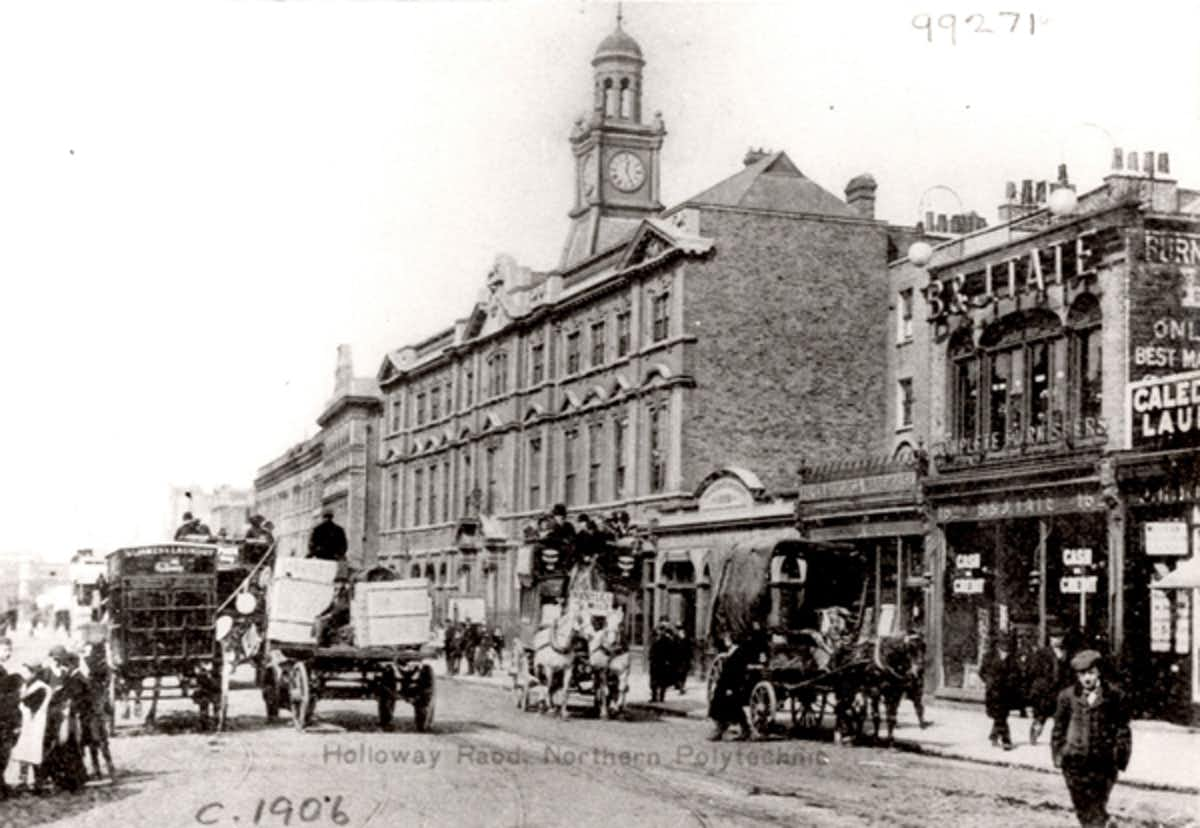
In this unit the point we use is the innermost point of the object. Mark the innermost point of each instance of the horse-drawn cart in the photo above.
(160, 605)
(380, 656)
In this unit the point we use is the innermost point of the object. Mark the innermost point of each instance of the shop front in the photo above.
(1018, 567)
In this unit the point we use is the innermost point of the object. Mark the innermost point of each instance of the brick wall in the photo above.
(790, 316)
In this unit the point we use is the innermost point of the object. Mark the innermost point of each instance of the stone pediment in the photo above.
(656, 239)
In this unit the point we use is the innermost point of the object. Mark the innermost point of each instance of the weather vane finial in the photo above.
(620, 16)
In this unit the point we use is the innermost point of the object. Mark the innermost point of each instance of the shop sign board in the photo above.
(1166, 538)
(1077, 584)
(969, 561)
(1183, 619)
(1077, 557)
(968, 586)
(876, 484)
(1020, 506)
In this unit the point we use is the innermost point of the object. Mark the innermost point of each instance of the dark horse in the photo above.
(871, 674)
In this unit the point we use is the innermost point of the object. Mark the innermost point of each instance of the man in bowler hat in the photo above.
(1091, 741)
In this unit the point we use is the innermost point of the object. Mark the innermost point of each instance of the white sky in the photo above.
(200, 200)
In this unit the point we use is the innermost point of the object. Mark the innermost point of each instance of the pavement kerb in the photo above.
(502, 682)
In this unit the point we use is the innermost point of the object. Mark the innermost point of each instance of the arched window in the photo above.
(626, 99)
(415, 572)
(611, 100)
(1083, 323)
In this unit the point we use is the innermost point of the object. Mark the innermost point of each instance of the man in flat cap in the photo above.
(328, 540)
(1091, 741)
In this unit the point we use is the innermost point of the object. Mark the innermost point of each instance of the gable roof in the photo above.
(773, 183)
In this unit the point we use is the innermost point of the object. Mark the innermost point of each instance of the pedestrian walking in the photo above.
(728, 704)
(1047, 674)
(662, 659)
(35, 701)
(10, 711)
(70, 704)
(1003, 682)
(95, 725)
(1091, 742)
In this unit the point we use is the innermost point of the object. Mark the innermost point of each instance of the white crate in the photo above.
(391, 613)
(301, 589)
(393, 597)
(391, 631)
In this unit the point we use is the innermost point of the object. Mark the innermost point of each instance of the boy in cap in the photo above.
(1091, 741)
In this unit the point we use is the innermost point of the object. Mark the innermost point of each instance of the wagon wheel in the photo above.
(300, 695)
(423, 703)
(808, 710)
(714, 675)
(762, 709)
(268, 682)
(387, 695)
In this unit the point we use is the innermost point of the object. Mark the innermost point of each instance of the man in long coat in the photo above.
(728, 704)
(327, 540)
(1092, 741)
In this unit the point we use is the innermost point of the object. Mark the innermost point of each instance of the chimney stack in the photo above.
(860, 195)
(753, 156)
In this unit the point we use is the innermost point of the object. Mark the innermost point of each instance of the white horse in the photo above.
(554, 654)
(610, 663)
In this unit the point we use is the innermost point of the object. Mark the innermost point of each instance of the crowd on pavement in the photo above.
(53, 715)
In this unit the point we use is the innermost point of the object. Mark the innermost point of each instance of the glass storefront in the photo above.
(993, 587)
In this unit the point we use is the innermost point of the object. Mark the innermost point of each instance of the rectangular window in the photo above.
(435, 404)
(595, 431)
(905, 315)
(906, 403)
(658, 449)
(394, 506)
(418, 496)
(490, 469)
(421, 408)
(396, 410)
(598, 344)
(620, 429)
(661, 316)
(468, 484)
(534, 473)
(449, 397)
(446, 490)
(570, 440)
(1038, 358)
(1000, 391)
(967, 395)
(1089, 379)
(469, 388)
(433, 512)
(537, 363)
(624, 338)
(573, 352)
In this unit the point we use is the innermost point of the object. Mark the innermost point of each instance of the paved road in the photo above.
(489, 765)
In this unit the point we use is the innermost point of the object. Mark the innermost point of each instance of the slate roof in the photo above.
(774, 183)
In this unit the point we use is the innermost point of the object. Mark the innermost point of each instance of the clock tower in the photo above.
(616, 154)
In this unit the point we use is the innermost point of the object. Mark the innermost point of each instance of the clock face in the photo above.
(626, 172)
(587, 175)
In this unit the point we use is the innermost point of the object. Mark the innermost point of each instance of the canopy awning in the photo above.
(1184, 576)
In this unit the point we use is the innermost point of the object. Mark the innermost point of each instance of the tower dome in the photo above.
(618, 45)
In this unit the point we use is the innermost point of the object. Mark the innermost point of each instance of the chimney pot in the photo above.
(1027, 191)
(929, 220)
(1118, 159)
(1062, 175)
(1148, 163)
(941, 223)
(1041, 192)
(1164, 163)
(1131, 162)
(1010, 190)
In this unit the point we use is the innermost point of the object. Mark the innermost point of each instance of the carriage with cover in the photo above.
(802, 606)
(576, 602)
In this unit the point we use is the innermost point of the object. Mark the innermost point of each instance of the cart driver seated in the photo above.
(328, 542)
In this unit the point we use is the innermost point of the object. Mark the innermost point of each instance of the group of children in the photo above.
(50, 715)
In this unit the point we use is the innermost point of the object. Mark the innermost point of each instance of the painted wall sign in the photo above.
(1031, 272)
(1166, 538)
(1160, 621)
(1183, 621)
(953, 452)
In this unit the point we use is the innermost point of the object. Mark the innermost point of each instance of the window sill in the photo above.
(900, 343)
(904, 429)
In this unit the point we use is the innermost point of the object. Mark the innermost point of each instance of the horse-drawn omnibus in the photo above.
(806, 604)
(577, 597)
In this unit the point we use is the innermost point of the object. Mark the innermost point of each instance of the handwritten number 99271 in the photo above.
(943, 26)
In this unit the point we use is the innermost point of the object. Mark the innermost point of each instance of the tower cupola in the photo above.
(618, 63)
